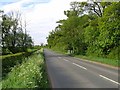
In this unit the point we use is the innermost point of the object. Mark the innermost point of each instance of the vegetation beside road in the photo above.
(9, 61)
(23, 63)
(30, 74)
(95, 35)
(102, 60)
(14, 34)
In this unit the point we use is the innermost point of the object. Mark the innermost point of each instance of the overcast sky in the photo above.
(41, 15)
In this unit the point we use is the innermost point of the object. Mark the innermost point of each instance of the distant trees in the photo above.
(92, 28)
(14, 36)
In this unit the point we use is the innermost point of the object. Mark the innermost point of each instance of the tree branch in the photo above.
(100, 12)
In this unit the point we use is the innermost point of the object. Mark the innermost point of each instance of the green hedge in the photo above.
(11, 60)
(30, 74)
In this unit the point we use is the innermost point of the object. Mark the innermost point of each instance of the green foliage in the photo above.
(109, 28)
(13, 36)
(94, 50)
(30, 74)
(11, 60)
(95, 34)
(69, 35)
(103, 38)
(108, 61)
(114, 54)
(91, 32)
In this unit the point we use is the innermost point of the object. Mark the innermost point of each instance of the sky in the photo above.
(40, 15)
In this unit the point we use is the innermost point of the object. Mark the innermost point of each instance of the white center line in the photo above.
(66, 60)
(109, 79)
(80, 66)
(59, 57)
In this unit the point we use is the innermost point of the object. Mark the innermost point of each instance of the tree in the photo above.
(95, 33)
(14, 38)
(90, 7)
(109, 26)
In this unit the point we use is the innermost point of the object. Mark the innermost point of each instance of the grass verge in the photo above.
(9, 61)
(102, 60)
(30, 74)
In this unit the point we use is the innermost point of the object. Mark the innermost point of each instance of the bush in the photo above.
(30, 74)
(11, 60)
(114, 54)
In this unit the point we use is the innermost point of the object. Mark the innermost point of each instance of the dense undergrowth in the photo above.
(30, 74)
(10, 60)
(89, 34)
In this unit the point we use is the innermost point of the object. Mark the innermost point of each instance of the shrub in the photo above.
(114, 54)
(11, 60)
(30, 74)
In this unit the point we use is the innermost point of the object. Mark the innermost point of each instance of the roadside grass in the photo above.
(30, 74)
(102, 60)
(0, 85)
(10, 60)
(57, 50)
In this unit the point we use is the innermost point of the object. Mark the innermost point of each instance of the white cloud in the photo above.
(41, 17)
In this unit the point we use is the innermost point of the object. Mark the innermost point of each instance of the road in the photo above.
(69, 72)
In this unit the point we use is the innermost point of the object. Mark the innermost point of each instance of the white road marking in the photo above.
(59, 57)
(109, 79)
(80, 66)
(66, 60)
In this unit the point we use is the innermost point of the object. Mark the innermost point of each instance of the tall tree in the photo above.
(13, 36)
(92, 28)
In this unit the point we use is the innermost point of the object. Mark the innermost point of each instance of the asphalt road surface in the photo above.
(69, 72)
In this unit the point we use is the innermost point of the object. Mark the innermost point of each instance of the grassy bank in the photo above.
(108, 61)
(57, 50)
(9, 61)
(30, 74)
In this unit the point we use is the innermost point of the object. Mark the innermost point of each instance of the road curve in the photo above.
(69, 72)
